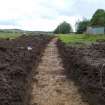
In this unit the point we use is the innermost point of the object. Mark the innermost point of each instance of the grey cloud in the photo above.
(86, 8)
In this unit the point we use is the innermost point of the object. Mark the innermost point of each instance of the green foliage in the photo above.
(80, 38)
(82, 26)
(98, 18)
(63, 28)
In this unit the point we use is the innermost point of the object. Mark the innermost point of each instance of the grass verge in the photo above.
(4, 35)
(80, 38)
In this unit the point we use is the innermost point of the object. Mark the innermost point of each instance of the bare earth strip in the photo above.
(52, 87)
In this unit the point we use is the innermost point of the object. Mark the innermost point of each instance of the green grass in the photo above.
(4, 35)
(80, 38)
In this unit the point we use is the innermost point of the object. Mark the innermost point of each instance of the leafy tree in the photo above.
(98, 18)
(82, 26)
(63, 28)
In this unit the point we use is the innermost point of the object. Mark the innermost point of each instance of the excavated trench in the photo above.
(50, 86)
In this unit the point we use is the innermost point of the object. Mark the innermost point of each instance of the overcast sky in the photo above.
(45, 15)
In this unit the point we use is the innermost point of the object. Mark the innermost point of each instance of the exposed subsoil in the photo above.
(50, 86)
(26, 79)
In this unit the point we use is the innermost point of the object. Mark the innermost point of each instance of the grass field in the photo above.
(4, 35)
(81, 38)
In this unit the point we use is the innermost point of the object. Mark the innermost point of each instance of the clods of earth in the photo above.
(20, 57)
(86, 67)
(17, 58)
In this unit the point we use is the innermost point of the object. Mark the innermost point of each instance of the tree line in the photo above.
(97, 20)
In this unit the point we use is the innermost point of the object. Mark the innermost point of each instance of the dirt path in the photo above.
(52, 87)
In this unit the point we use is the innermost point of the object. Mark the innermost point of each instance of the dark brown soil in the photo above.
(86, 66)
(17, 58)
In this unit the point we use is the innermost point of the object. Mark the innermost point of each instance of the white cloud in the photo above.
(44, 14)
(47, 24)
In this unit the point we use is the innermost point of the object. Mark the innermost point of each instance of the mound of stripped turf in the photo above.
(17, 58)
(86, 66)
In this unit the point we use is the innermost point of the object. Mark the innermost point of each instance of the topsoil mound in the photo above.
(86, 66)
(17, 58)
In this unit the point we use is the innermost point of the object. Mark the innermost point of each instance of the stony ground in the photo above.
(50, 86)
